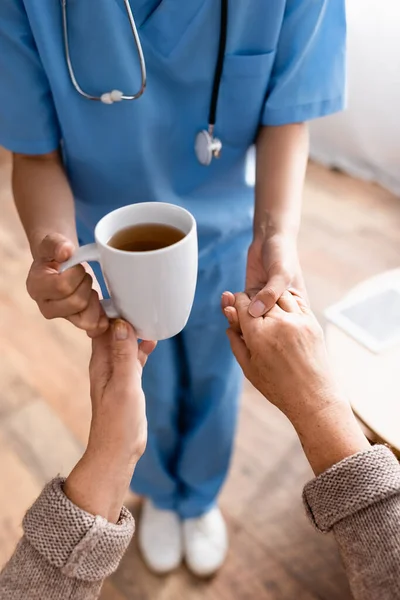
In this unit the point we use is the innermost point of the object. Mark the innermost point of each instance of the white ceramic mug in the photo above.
(152, 290)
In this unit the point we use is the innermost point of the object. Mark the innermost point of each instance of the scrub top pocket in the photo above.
(242, 96)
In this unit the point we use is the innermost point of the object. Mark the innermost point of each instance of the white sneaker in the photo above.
(206, 543)
(160, 538)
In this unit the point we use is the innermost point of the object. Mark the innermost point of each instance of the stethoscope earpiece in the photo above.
(207, 147)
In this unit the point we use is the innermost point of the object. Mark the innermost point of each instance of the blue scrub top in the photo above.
(284, 63)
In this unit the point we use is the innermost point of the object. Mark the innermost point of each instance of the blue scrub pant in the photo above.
(192, 385)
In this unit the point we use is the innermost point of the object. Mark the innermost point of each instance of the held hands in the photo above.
(272, 267)
(73, 294)
(282, 354)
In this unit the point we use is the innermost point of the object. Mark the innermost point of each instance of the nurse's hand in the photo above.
(272, 268)
(73, 295)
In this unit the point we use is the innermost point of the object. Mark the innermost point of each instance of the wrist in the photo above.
(330, 434)
(314, 400)
(274, 222)
(98, 484)
(113, 442)
(112, 457)
(281, 235)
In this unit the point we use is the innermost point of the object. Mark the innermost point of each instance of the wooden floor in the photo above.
(351, 230)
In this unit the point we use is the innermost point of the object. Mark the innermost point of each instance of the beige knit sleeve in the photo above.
(65, 552)
(359, 499)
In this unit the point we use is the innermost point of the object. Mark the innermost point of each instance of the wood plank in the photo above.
(48, 369)
(276, 518)
(15, 391)
(251, 573)
(41, 441)
(18, 490)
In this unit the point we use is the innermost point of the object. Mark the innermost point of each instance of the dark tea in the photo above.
(144, 237)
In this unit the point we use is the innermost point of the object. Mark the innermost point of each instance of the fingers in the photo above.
(242, 303)
(239, 349)
(70, 305)
(102, 326)
(289, 303)
(231, 314)
(227, 299)
(56, 247)
(124, 351)
(114, 354)
(266, 298)
(45, 283)
(92, 319)
(100, 346)
(69, 295)
(100, 367)
(302, 302)
(243, 323)
(146, 347)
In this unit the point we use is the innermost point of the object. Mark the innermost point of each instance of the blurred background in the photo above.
(350, 239)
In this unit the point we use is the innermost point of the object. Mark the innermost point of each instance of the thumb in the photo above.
(56, 247)
(266, 298)
(124, 350)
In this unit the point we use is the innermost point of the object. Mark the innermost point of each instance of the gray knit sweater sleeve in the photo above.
(359, 499)
(65, 552)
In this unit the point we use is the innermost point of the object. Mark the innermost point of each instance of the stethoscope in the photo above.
(207, 146)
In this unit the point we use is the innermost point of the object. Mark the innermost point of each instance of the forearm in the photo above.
(282, 154)
(99, 482)
(331, 435)
(43, 198)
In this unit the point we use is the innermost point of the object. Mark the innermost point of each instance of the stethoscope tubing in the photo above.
(139, 49)
(206, 145)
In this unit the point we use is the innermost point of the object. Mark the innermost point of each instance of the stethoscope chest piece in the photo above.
(207, 147)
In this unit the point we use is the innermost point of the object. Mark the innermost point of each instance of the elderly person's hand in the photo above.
(67, 548)
(118, 431)
(283, 354)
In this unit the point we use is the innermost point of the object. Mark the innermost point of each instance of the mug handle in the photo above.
(90, 253)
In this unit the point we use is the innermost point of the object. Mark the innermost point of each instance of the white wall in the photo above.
(365, 140)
